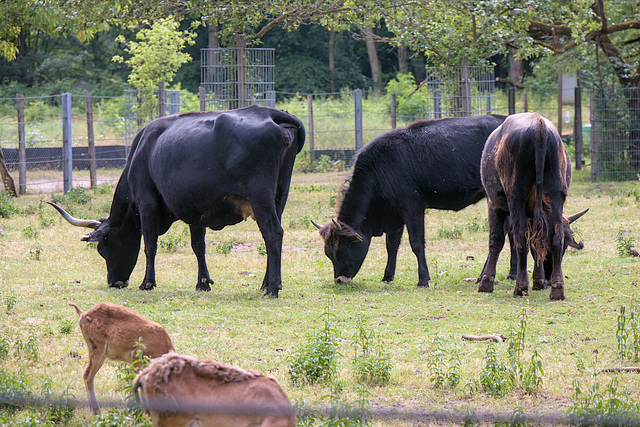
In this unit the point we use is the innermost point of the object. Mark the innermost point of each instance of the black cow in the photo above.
(430, 164)
(209, 170)
(526, 172)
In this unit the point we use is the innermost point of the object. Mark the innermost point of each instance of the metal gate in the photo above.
(143, 105)
(237, 77)
(615, 134)
(460, 91)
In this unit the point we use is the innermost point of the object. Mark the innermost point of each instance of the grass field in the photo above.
(43, 265)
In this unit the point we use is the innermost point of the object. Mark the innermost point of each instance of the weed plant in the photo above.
(624, 245)
(371, 365)
(609, 406)
(317, 361)
(7, 205)
(628, 333)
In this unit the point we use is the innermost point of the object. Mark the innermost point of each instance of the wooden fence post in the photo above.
(22, 150)
(88, 103)
(511, 92)
(312, 152)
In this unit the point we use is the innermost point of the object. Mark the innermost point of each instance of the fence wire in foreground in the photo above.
(373, 416)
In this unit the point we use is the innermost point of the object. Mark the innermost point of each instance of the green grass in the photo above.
(43, 265)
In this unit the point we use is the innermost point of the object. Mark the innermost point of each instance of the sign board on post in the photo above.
(569, 85)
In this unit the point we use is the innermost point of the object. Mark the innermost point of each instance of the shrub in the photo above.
(7, 206)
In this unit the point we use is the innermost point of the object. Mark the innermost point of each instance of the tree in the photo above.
(158, 54)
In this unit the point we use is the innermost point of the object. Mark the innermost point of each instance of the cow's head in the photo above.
(345, 247)
(119, 249)
(570, 238)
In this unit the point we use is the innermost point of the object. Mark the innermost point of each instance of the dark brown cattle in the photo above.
(526, 173)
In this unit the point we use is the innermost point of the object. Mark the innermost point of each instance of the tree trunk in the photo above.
(9, 185)
(516, 68)
(403, 63)
(212, 31)
(332, 60)
(374, 61)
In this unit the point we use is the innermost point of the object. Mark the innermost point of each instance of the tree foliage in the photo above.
(158, 54)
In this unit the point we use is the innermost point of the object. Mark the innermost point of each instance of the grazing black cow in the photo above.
(526, 172)
(209, 170)
(430, 164)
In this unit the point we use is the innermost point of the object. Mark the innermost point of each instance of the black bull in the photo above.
(526, 172)
(431, 164)
(209, 170)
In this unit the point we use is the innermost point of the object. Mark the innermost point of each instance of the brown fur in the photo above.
(174, 387)
(112, 331)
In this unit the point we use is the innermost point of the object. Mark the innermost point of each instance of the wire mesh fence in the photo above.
(336, 415)
(615, 134)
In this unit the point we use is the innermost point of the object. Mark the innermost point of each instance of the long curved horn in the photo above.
(338, 226)
(89, 223)
(574, 217)
(318, 226)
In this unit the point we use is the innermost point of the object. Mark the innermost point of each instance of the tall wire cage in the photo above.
(237, 77)
(460, 91)
(615, 134)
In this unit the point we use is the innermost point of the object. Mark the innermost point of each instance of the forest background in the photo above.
(56, 46)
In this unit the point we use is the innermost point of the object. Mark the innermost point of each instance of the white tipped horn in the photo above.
(574, 217)
(88, 223)
(318, 226)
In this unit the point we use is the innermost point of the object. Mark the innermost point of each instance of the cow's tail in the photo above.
(290, 121)
(539, 236)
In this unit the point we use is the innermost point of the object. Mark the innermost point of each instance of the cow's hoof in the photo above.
(539, 284)
(486, 284)
(557, 293)
(147, 286)
(517, 292)
(511, 276)
(204, 285)
(119, 284)
(423, 285)
(387, 279)
(271, 294)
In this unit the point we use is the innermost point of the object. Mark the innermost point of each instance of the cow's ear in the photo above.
(97, 235)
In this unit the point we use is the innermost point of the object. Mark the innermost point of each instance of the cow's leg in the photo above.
(557, 249)
(513, 260)
(150, 235)
(272, 233)
(393, 239)
(520, 227)
(539, 281)
(199, 249)
(414, 219)
(497, 219)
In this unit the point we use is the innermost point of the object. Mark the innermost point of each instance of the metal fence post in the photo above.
(271, 98)
(312, 152)
(357, 99)
(88, 103)
(577, 128)
(67, 143)
(174, 102)
(592, 137)
(202, 96)
(393, 111)
(162, 100)
(22, 151)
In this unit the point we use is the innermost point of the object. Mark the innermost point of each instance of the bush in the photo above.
(7, 206)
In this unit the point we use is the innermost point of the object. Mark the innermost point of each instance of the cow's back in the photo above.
(437, 161)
